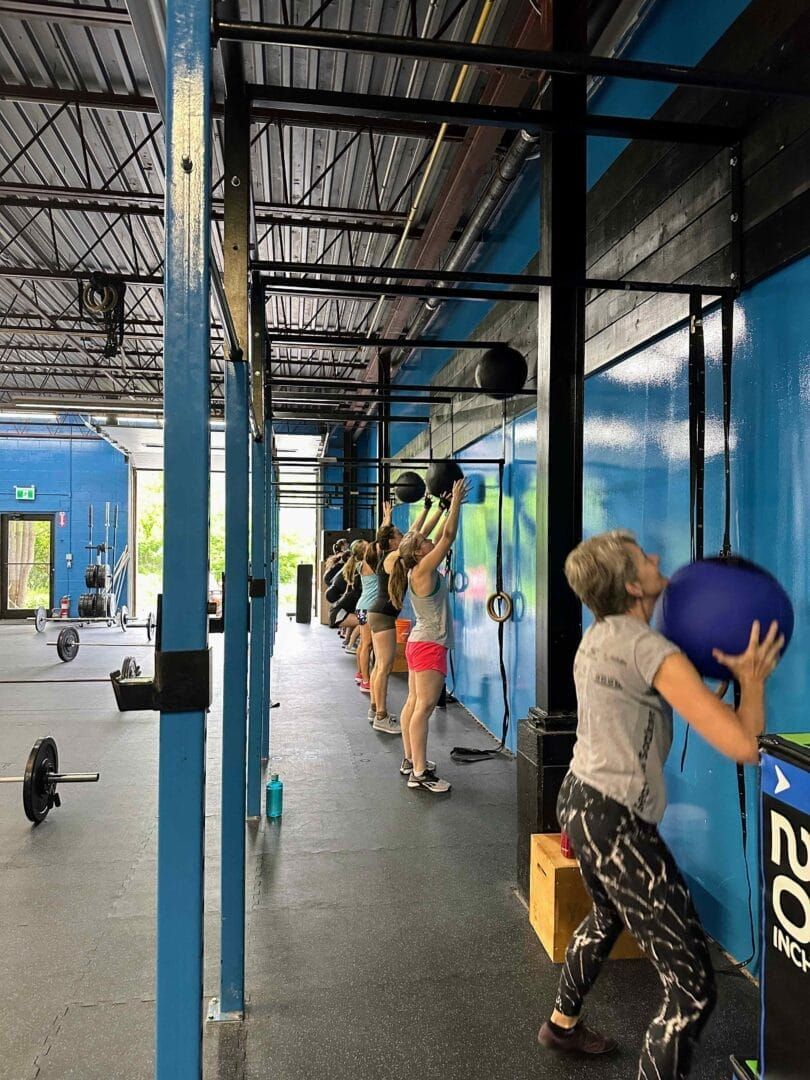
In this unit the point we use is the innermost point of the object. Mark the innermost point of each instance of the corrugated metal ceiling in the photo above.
(81, 178)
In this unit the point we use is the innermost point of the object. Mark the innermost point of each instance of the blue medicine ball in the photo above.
(711, 604)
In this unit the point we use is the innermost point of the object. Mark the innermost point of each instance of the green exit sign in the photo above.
(25, 494)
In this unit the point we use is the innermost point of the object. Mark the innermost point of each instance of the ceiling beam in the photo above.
(41, 274)
(378, 108)
(150, 204)
(334, 339)
(141, 103)
(497, 56)
(370, 290)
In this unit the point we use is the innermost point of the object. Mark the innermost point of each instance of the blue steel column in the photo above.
(258, 641)
(272, 585)
(237, 542)
(186, 391)
(234, 700)
(259, 605)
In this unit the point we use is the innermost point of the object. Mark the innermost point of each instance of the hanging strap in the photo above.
(697, 423)
(727, 321)
(697, 441)
(727, 339)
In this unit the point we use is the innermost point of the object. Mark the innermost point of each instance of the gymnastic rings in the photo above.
(499, 606)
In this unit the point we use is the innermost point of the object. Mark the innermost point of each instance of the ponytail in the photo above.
(408, 558)
(397, 584)
(358, 550)
(372, 555)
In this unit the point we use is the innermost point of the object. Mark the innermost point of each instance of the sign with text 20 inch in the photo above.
(785, 988)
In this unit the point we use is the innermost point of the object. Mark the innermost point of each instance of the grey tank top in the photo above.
(434, 623)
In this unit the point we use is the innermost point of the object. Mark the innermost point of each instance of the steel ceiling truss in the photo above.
(337, 164)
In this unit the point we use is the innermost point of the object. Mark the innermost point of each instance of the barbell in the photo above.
(41, 778)
(67, 645)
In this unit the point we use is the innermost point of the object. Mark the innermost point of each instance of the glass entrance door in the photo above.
(26, 564)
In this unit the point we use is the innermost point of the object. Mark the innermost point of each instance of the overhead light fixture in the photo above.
(90, 406)
(38, 417)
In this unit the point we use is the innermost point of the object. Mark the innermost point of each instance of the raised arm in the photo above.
(434, 559)
(431, 523)
(732, 732)
(388, 508)
(421, 516)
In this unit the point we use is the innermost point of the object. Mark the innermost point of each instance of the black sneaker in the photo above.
(580, 1040)
(429, 781)
(406, 768)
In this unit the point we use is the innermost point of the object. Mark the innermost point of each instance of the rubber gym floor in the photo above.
(384, 941)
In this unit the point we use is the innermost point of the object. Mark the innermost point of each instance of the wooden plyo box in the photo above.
(558, 901)
(400, 663)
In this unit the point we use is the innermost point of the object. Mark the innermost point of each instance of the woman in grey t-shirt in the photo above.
(628, 680)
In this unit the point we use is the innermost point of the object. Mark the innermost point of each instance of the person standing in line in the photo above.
(383, 614)
(368, 594)
(430, 640)
(629, 678)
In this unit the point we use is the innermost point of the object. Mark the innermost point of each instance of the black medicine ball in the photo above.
(502, 371)
(409, 487)
(442, 475)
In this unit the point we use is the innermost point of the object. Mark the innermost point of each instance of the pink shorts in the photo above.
(426, 656)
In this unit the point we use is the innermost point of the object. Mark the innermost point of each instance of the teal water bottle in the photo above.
(275, 795)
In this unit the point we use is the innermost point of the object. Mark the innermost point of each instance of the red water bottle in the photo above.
(566, 850)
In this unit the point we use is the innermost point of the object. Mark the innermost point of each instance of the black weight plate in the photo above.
(123, 617)
(99, 605)
(129, 667)
(86, 605)
(67, 644)
(149, 626)
(37, 794)
(40, 619)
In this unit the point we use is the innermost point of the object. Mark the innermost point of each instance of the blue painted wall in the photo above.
(69, 474)
(636, 453)
(366, 448)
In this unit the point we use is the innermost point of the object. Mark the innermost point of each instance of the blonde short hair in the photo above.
(599, 570)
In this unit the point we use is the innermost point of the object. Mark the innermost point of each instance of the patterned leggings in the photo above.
(634, 883)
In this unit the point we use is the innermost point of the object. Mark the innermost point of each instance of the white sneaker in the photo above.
(429, 781)
(406, 768)
(372, 715)
(388, 723)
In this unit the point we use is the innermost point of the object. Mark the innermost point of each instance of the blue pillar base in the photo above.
(215, 1015)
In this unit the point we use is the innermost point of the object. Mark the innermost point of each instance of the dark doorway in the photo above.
(26, 564)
